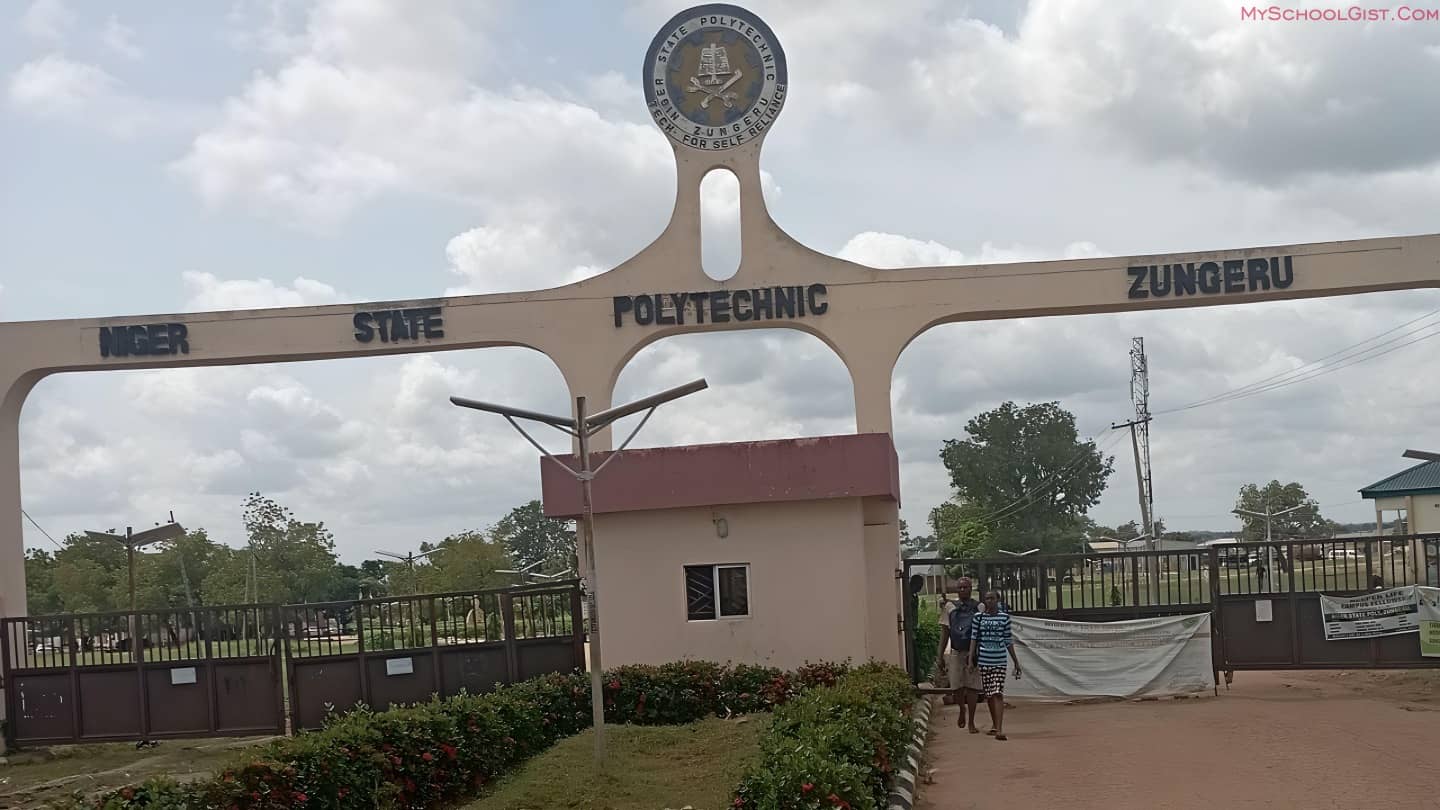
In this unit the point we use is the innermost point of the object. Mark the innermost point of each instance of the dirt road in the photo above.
(1313, 740)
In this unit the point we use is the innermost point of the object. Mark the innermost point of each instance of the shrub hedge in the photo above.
(833, 748)
(927, 639)
(436, 753)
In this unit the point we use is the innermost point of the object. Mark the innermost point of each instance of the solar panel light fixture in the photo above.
(582, 426)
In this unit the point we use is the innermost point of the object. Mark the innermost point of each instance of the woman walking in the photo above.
(991, 648)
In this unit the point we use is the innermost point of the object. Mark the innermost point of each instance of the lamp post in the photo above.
(582, 426)
(1269, 549)
(409, 559)
(132, 541)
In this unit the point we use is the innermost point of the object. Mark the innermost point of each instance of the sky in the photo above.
(255, 153)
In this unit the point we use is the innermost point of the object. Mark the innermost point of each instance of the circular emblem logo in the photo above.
(715, 77)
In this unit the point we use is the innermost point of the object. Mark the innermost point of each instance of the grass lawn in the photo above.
(647, 768)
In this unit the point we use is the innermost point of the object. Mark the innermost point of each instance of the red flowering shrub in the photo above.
(436, 753)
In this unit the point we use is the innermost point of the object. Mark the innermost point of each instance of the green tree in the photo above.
(959, 533)
(463, 562)
(530, 537)
(1278, 497)
(294, 560)
(41, 595)
(1027, 474)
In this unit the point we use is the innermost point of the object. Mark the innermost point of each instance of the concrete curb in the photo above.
(902, 794)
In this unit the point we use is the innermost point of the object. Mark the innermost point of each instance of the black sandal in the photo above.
(1001, 737)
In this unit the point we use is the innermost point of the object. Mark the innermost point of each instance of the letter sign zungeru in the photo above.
(144, 340)
(720, 306)
(1231, 276)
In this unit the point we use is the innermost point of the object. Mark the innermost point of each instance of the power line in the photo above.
(1348, 356)
(42, 530)
(1274, 382)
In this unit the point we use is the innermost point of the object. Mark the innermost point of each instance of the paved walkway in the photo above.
(1273, 741)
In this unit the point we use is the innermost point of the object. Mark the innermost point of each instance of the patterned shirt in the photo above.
(992, 631)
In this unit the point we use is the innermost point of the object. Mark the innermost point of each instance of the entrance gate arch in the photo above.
(591, 328)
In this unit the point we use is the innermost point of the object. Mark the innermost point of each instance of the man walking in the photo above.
(991, 645)
(963, 675)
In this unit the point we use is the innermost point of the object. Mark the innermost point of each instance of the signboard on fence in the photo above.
(1382, 613)
(1429, 616)
(1157, 657)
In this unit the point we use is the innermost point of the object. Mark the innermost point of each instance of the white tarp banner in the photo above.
(1382, 613)
(1130, 659)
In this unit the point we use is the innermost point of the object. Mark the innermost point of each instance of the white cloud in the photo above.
(120, 39)
(57, 87)
(47, 20)
(207, 292)
(314, 140)
(888, 250)
(1188, 81)
(54, 85)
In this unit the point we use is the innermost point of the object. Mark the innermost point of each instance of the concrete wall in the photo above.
(1425, 513)
(808, 585)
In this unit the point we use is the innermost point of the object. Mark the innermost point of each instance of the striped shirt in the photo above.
(992, 634)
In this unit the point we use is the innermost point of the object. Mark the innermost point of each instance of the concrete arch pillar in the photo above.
(594, 380)
(13, 391)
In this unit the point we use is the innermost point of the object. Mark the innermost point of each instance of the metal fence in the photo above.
(153, 674)
(266, 669)
(1138, 584)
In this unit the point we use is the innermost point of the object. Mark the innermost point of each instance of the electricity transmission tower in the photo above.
(1140, 436)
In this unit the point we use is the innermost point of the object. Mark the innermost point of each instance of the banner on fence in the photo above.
(1382, 613)
(1157, 657)
(1429, 617)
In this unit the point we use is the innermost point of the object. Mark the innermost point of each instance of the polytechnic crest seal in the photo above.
(715, 77)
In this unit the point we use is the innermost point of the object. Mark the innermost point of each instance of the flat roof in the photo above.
(859, 465)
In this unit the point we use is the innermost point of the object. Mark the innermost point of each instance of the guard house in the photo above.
(770, 552)
(1413, 497)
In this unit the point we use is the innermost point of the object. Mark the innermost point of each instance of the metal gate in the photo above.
(1263, 598)
(383, 652)
(232, 671)
(91, 677)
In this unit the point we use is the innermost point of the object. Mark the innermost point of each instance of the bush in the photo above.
(927, 640)
(435, 753)
(833, 747)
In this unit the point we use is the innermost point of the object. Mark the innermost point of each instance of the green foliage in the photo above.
(436, 753)
(1304, 522)
(833, 747)
(961, 532)
(463, 562)
(927, 639)
(531, 537)
(1029, 456)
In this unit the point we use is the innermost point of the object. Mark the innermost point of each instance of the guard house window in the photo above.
(716, 591)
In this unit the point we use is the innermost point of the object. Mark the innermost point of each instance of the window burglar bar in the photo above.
(716, 591)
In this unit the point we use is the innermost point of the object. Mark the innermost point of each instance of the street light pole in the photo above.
(1269, 548)
(582, 426)
(409, 558)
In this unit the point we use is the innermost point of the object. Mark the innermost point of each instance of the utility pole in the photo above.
(582, 426)
(1270, 549)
